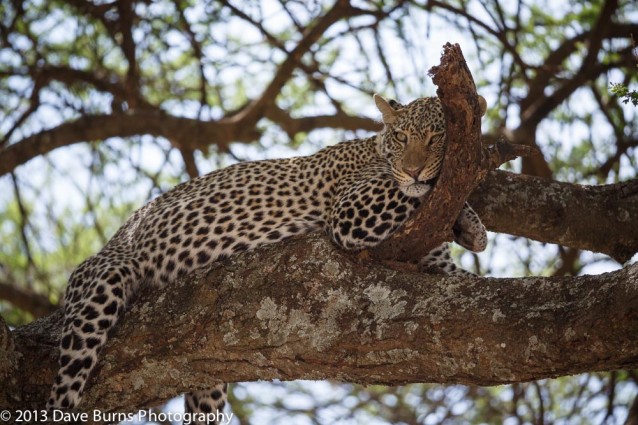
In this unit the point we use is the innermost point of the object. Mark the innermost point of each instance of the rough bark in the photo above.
(596, 218)
(305, 310)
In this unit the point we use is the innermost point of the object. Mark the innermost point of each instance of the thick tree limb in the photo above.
(597, 218)
(183, 132)
(306, 310)
(102, 127)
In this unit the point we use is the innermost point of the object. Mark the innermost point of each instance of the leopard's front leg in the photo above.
(368, 212)
(469, 231)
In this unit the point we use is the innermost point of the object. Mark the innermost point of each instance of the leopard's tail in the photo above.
(204, 407)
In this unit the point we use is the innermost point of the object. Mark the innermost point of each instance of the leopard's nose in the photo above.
(413, 171)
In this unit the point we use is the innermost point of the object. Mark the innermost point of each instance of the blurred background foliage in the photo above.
(106, 104)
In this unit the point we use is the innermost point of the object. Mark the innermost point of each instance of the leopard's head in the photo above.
(413, 141)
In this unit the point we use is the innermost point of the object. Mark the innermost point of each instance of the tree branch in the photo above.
(342, 120)
(100, 79)
(596, 218)
(305, 310)
(26, 299)
(102, 127)
(249, 115)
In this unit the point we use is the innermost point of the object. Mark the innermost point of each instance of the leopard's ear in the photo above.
(387, 111)
(482, 105)
(395, 105)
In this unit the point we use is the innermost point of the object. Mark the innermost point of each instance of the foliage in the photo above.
(138, 66)
(623, 92)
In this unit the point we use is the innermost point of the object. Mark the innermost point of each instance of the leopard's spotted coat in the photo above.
(359, 191)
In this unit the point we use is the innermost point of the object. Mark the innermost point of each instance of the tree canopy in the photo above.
(106, 104)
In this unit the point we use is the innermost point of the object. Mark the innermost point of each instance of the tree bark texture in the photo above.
(596, 218)
(303, 309)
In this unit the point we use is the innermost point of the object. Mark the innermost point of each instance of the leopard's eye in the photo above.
(437, 137)
(401, 137)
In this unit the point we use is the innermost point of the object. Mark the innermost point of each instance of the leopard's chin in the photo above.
(416, 190)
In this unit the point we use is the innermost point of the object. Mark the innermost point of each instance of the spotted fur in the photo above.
(359, 191)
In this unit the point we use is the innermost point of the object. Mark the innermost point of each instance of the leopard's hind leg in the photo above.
(440, 260)
(95, 298)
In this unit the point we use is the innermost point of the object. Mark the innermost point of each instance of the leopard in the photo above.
(358, 191)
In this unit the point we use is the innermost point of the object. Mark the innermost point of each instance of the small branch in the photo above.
(255, 109)
(100, 80)
(341, 120)
(503, 151)
(632, 415)
(497, 33)
(24, 223)
(188, 156)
